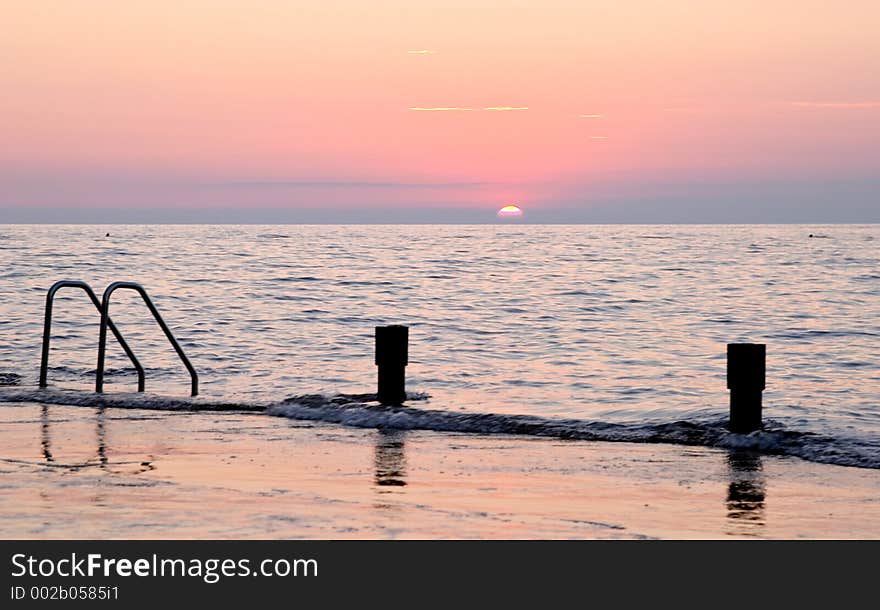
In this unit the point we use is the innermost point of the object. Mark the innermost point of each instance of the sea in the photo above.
(580, 332)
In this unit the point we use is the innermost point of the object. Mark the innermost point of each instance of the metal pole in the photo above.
(102, 338)
(47, 330)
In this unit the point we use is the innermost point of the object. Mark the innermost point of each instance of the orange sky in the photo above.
(279, 103)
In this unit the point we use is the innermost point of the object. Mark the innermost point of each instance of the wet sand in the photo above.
(84, 472)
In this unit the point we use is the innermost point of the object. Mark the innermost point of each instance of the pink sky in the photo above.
(234, 103)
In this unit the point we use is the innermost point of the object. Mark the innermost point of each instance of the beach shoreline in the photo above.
(102, 473)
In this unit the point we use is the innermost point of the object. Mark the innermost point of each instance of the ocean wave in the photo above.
(75, 398)
(363, 411)
(774, 439)
(10, 379)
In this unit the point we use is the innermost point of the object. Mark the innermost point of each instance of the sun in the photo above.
(510, 211)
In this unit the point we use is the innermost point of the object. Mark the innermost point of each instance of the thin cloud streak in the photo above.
(591, 116)
(331, 184)
(466, 109)
(421, 52)
(842, 105)
(440, 109)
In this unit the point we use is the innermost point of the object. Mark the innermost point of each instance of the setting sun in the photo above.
(510, 211)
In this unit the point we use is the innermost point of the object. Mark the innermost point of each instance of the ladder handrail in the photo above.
(105, 322)
(47, 330)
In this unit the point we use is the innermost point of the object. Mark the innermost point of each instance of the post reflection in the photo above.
(746, 493)
(100, 419)
(101, 440)
(45, 437)
(390, 458)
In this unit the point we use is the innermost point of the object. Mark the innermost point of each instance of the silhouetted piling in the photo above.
(391, 358)
(746, 373)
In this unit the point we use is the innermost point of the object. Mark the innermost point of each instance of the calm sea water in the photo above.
(591, 331)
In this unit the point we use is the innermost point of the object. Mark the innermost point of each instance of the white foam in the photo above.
(362, 411)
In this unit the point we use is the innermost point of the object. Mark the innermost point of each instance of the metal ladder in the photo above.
(103, 307)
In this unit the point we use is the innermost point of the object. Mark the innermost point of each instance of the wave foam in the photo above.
(8, 379)
(362, 411)
(774, 439)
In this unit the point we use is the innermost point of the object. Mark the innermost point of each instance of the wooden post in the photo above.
(746, 377)
(391, 358)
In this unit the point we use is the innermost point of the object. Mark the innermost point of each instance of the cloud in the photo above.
(591, 116)
(466, 109)
(684, 109)
(421, 52)
(842, 105)
(344, 184)
(440, 109)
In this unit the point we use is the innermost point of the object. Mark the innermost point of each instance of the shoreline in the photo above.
(92, 472)
(363, 411)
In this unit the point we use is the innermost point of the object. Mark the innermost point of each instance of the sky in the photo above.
(428, 111)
